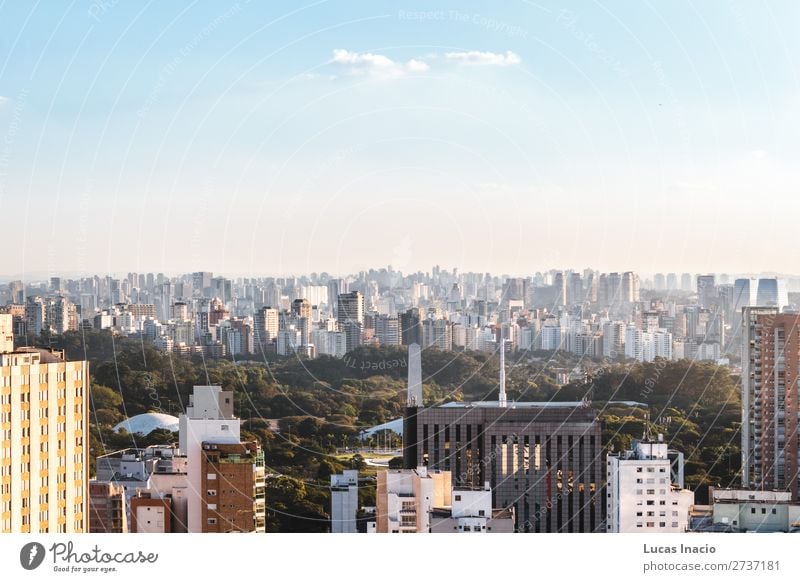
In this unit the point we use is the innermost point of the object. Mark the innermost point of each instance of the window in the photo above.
(674, 524)
(662, 524)
(458, 497)
(651, 469)
(638, 514)
(211, 492)
(638, 524)
(212, 521)
(651, 491)
(752, 510)
(774, 511)
(211, 476)
(651, 524)
(482, 512)
(212, 506)
(763, 510)
(638, 469)
(650, 502)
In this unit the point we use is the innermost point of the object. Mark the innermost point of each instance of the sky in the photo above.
(287, 138)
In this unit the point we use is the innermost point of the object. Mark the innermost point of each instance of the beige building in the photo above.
(43, 442)
(406, 497)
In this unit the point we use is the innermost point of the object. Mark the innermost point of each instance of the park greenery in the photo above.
(308, 413)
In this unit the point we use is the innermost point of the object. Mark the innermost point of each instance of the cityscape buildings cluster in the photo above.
(590, 314)
(487, 466)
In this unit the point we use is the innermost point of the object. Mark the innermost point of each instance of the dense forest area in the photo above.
(321, 404)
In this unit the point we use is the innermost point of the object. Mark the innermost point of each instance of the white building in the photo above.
(634, 343)
(662, 344)
(645, 490)
(613, 339)
(344, 502)
(405, 498)
(471, 512)
(209, 418)
(551, 335)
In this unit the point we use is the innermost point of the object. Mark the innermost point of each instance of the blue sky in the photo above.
(335, 136)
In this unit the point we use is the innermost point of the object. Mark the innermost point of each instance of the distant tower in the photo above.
(414, 376)
(503, 402)
(413, 405)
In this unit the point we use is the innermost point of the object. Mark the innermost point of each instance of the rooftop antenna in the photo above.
(414, 376)
(503, 401)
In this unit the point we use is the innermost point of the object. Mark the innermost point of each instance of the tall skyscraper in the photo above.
(772, 293)
(350, 308)
(770, 410)
(744, 294)
(266, 324)
(706, 290)
(44, 468)
(410, 327)
(387, 330)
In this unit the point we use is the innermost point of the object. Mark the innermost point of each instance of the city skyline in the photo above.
(332, 137)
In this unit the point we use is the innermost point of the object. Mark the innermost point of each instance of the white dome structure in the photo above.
(148, 422)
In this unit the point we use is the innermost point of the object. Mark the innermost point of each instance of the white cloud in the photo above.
(376, 65)
(4, 100)
(484, 58)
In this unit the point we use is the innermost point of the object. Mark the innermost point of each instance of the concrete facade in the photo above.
(644, 490)
(44, 479)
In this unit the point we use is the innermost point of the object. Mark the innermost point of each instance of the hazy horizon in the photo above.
(335, 135)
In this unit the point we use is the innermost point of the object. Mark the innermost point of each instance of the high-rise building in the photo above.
(221, 497)
(266, 324)
(43, 442)
(706, 290)
(231, 501)
(350, 308)
(745, 294)
(344, 502)
(672, 281)
(335, 288)
(770, 410)
(772, 293)
(387, 330)
(410, 327)
(613, 339)
(629, 289)
(645, 491)
(541, 459)
(437, 333)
